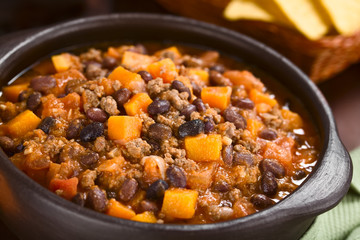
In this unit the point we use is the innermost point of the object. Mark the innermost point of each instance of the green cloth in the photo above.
(343, 221)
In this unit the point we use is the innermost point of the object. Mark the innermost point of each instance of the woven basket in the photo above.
(320, 59)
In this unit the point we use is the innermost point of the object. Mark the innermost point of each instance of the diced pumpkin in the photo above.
(137, 104)
(117, 209)
(129, 80)
(54, 169)
(243, 208)
(147, 217)
(107, 84)
(262, 107)
(200, 74)
(62, 79)
(179, 203)
(203, 148)
(281, 150)
(45, 68)
(164, 69)
(71, 101)
(3, 130)
(154, 169)
(259, 97)
(245, 78)
(216, 97)
(124, 128)
(113, 52)
(68, 187)
(62, 62)
(22, 123)
(254, 126)
(202, 178)
(135, 60)
(12, 92)
(174, 50)
(293, 120)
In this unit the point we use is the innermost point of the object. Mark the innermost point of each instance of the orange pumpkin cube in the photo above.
(179, 203)
(129, 80)
(204, 148)
(68, 187)
(254, 126)
(12, 92)
(259, 97)
(137, 104)
(164, 69)
(116, 209)
(216, 97)
(200, 74)
(136, 61)
(22, 123)
(147, 217)
(124, 128)
(245, 78)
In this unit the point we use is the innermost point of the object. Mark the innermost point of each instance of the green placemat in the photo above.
(343, 221)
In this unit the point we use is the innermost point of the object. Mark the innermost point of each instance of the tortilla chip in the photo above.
(245, 9)
(307, 17)
(345, 15)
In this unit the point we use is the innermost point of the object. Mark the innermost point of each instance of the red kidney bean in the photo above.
(191, 128)
(158, 107)
(299, 174)
(273, 166)
(46, 124)
(268, 134)
(33, 101)
(7, 144)
(218, 68)
(218, 79)
(79, 199)
(147, 205)
(180, 87)
(221, 186)
(159, 132)
(269, 185)
(91, 132)
(261, 201)
(157, 189)
(109, 63)
(43, 83)
(196, 89)
(187, 111)
(244, 159)
(19, 148)
(145, 75)
(243, 103)
(22, 96)
(122, 96)
(89, 159)
(96, 114)
(231, 115)
(96, 199)
(209, 125)
(200, 106)
(227, 155)
(128, 189)
(74, 129)
(176, 176)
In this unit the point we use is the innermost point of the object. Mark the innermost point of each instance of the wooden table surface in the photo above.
(342, 93)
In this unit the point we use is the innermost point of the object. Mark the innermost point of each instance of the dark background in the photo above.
(342, 91)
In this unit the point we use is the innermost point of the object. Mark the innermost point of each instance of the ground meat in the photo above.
(8, 111)
(87, 179)
(226, 129)
(137, 148)
(110, 174)
(195, 115)
(234, 194)
(91, 100)
(71, 151)
(171, 119)
(108, 104)
(175, 152)
(91, 55)
(177, 100)
(94, 71)
(156, 86)
(53, 145)
(146, 122)
(213, 114)
(273, 119)
(187, 164)
(69, 169)
(100, 145)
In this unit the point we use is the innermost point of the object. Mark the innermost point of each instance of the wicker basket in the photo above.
(320, 59)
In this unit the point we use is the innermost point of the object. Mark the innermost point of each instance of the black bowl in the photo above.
(33, 212)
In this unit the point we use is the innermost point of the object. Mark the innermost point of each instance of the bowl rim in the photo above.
(330, 137)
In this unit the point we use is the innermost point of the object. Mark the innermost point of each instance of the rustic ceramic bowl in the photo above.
(33, 212)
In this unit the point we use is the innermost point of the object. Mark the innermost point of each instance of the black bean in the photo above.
(19, 148)
(196, 89)
(7, 144)
(43, 83)
(180, 87)
(221, 186)
(145, 75)
(91, 132)
(244, 103)
(158, 107)
(200, 106)
(96, 199)
(33, 101)
(218, 79)
(176, 176)
(96, 114)
(218, 68)
(227, 155)
(147, 205)
(159, 132)
(230, 114)
(209, 125)
(89, 159)
(273, 166)
(244, 159)
(109, 63)
(157, 189)
(46, 124)
(128, 189)
(122, 96)
(299, 174)
(269, 185)
(187, 111)
(268, 134)
(191, 128)
(261, 201)
(74, 129)
(111, 194)
(79, 199)
(22, 96)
